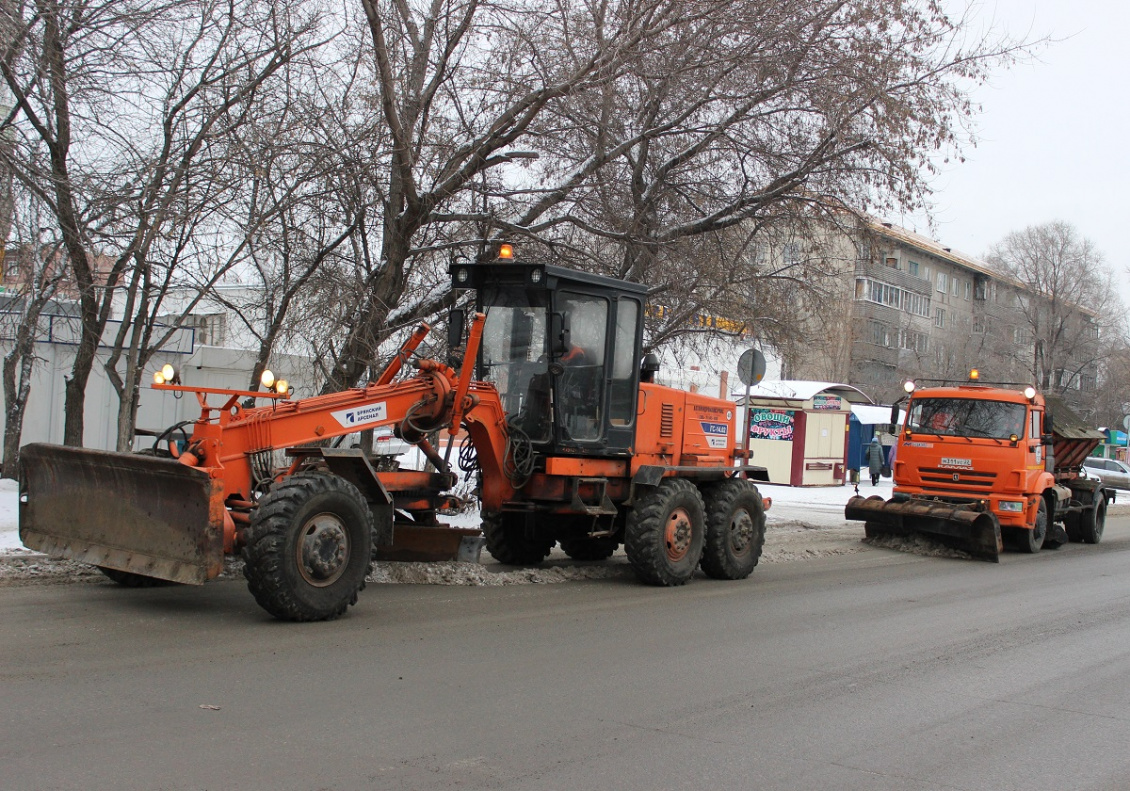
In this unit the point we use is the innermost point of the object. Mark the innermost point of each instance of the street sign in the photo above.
(751, 367)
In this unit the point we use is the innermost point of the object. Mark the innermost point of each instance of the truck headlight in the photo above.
(1010, 505)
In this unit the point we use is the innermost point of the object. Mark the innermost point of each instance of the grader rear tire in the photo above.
(735, 529)
(664, 534)
(589, 548)
(309, 547)
(509, 542)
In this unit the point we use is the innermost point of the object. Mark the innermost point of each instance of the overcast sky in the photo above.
(1054, 134)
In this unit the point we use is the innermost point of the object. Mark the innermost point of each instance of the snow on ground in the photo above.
(802, 524)
(792, 509)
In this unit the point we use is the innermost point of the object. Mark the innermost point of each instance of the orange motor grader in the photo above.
(567, 439)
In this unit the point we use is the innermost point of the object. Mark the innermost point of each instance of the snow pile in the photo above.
(917, 545)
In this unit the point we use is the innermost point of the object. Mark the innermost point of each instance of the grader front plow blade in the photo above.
(141, 514)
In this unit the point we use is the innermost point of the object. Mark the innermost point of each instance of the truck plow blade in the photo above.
(975, 532)
(129, 512)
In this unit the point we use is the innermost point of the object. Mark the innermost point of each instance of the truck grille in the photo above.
(966, 479)
(667, 421)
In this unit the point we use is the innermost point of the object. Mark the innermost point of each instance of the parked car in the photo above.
(1110, 471)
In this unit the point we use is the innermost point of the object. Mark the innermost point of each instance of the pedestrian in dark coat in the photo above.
(875, 460)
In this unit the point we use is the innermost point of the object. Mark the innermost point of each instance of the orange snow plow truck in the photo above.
(978, 467)
(568, 440)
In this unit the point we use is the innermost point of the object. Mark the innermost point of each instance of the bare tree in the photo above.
(92, 83)
(759, 114)
(1067, 302)
(35, 259)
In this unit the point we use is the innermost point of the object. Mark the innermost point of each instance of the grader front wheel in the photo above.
(309, 548)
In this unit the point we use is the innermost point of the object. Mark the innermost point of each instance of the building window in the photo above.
(979, 326)
(893, 263)
(943, 282)
(913, 341)
(210, 330)
(880, 335)
(892, 296)
(912, 267)
(956, 286)
(968, 290)
(939, 317)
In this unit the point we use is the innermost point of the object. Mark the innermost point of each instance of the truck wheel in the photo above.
(1092, 522)
(509, 542)
(735, 530)
(664, 535)
(309, 547)
(128, 579)
(1030, 541)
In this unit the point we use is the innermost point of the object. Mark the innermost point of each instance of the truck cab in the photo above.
(976, 443)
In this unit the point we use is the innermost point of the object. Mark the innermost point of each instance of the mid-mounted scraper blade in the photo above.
(124, 511)
(975, 532)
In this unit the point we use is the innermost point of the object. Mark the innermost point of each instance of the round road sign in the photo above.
(751, 366)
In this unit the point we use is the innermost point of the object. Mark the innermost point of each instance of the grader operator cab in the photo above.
(562, 349)
(565, 443)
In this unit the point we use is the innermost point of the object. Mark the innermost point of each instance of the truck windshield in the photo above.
(966, 417)
(513, 358)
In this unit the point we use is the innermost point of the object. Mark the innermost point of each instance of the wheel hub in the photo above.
(677, 534)
(741, 531)
(323, 550)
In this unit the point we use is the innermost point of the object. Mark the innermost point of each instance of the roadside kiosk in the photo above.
(798, 430)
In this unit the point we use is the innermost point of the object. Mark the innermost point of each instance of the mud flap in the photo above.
(975, 532)
(135, 513)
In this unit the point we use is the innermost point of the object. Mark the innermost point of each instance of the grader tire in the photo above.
(589, 548)
(510, 543)
(309, 547)
(735, 529)
(664, 534)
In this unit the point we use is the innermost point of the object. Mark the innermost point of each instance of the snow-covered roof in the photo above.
(800, 390)
(874, 415)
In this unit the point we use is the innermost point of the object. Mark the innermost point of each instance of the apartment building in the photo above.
(909, 307)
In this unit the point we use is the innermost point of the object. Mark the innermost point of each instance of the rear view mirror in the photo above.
(456, 318)
(559, 342)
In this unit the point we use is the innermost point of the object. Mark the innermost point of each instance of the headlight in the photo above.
(1010, 505)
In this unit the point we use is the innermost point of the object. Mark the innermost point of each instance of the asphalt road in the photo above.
(872, 671)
